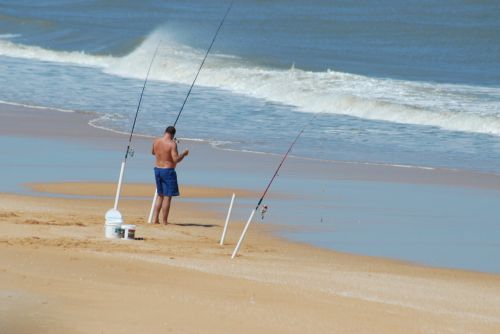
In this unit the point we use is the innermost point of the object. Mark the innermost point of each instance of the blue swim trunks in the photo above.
(166, 182)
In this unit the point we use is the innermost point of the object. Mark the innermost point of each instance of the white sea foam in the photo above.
(34, 106)
(11, 49)
(9, 36)
(451, 107)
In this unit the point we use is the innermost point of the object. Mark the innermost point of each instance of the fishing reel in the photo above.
(263, 211)
(131, 152)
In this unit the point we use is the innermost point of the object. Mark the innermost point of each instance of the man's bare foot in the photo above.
(165, 223)
(156, 223)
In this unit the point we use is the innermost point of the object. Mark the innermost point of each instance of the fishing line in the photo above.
(129, 151)
(281, 164)
(140, 101)
(204, 59)
(259, 203)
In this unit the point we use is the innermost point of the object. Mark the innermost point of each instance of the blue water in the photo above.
(435, 225)
(396, 82)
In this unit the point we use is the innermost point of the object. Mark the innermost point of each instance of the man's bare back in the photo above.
(165, 151)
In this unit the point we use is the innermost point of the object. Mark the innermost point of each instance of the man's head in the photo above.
(171, 131)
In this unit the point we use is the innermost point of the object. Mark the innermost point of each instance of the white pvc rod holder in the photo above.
(237, 248)
(119, 188)
(155, 197)
(226, 224)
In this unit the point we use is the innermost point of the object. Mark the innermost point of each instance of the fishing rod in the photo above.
(150, 218)
(259, 203)
(129, 151)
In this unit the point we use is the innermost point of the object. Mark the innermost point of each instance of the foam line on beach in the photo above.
(35, 107)
(219, 145)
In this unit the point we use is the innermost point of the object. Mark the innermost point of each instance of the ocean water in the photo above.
(391, 82)
(399, 82)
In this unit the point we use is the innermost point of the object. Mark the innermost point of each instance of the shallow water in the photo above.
(442, 226)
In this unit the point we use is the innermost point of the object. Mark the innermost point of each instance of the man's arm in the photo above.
(176, 156)
(153, 148)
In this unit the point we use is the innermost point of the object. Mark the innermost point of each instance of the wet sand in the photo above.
(133, 190)
(18, 121)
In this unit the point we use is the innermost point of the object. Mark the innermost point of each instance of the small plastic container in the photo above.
(128, 232)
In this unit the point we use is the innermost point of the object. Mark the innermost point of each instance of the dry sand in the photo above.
(59, 275)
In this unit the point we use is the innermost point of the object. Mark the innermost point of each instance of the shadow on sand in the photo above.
(194, 225)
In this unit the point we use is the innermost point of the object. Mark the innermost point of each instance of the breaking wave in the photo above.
(451, 107)
(11, 49)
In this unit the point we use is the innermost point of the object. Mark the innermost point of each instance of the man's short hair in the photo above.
(171, 130)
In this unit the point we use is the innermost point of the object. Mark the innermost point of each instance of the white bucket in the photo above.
(128, 232)
(112, 231)
(113, 224)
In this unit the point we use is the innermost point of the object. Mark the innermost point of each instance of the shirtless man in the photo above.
(167, 157)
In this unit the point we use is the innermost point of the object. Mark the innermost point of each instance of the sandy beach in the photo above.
(59, 275)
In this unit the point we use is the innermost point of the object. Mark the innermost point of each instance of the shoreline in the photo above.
(355, 170)
(215, 146)
(75, 127)
(55, 263)
(198, 196)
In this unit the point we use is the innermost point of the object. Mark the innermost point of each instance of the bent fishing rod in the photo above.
(259, 203)
(150, 218)
(129, 151)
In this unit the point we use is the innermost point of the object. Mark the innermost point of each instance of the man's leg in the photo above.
(156, 212)
(166, 208)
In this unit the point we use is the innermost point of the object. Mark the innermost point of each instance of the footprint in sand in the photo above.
(8, 215)
(50, 222)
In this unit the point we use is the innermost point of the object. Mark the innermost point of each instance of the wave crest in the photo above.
(14, 50)
(450, 107)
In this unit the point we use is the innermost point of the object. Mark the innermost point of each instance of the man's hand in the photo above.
(181, 156)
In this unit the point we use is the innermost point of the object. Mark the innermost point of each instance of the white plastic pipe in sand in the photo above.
(150, 218)
(237, 248)
(119, 188)
(227, 220)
